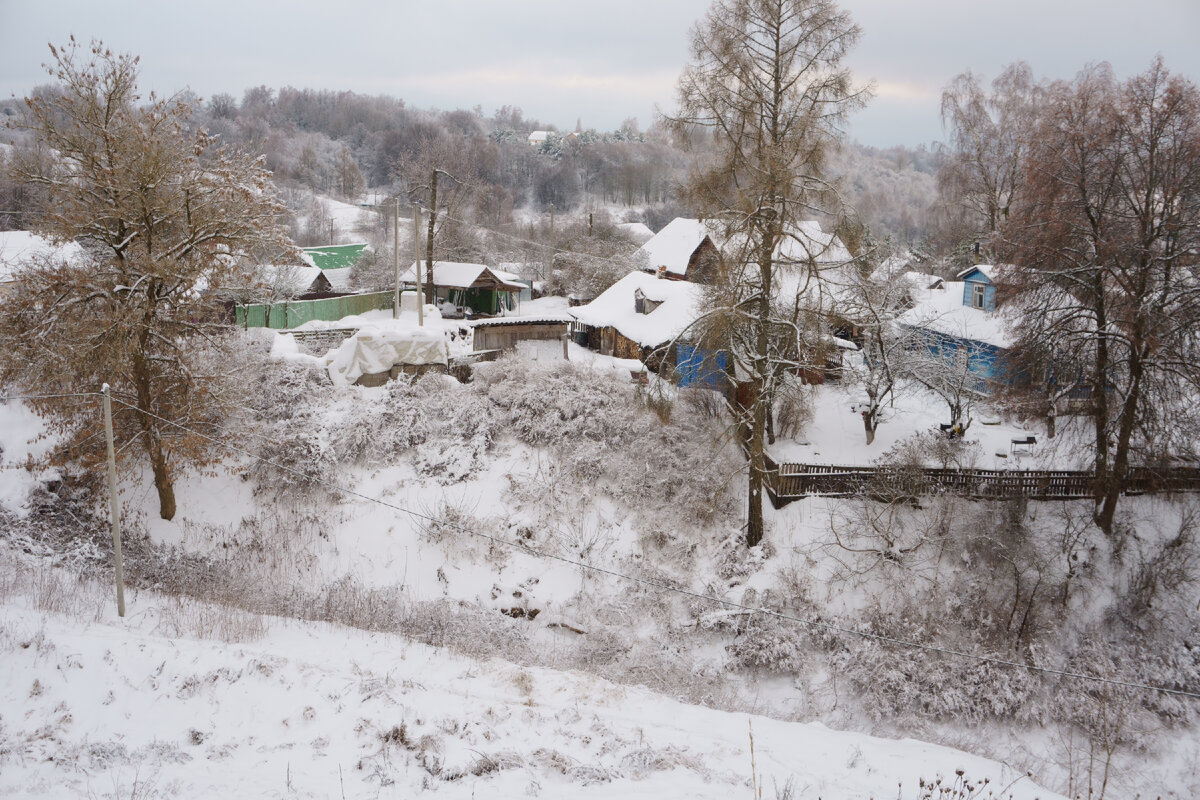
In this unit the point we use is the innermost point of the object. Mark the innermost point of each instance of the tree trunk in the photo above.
(869, 425)
(158, 461)
(1115, 478)
(162, 477)
(430, 297)
(1099, 405)
(757, 466)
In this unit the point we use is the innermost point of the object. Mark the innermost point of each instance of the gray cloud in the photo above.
(600, 62)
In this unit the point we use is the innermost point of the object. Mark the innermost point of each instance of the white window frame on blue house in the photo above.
(978, 295)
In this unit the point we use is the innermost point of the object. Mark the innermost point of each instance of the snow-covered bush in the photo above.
(769, 643)
(547, 403)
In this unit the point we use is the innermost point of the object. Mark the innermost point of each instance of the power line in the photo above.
(687, 592)
(553, 248)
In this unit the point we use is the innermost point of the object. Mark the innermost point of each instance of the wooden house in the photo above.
(468, 289)
(682, 251)
(650, 319)
(503, 333)
(957, 322)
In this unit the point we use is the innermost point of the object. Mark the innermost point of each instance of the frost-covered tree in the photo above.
(1106, 247)
(989, 138)
(163, 213)
(767, 81)
(871, 305)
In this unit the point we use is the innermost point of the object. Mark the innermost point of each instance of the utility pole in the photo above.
(553, 245)
(114, 506)
(396, 256)
(417, 256)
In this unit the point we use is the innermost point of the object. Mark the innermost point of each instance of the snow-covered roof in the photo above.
(537, 137)
(922, 280)
(673, 246)
(339, 279)
(20, 248)
(802, 242)
(301, 277)
(637, 231)
(456, 275)
(993, 272)
(942, 310)
(681, 304)
(806, 240)
(532, 319)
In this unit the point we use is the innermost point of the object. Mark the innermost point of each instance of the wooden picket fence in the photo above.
(788, 482)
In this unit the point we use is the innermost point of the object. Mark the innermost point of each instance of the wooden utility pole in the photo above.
(396, 256)
(417, 256)
(553, 243)
(114, 506)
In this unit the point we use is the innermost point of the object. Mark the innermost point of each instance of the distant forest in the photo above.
(347, 145)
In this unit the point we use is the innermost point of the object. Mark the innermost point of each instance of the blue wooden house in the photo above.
(959, 325)
(978, 289)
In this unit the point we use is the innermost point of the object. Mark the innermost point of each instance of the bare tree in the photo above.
(443, 176)
(1108, 247)
(989, 136)
(871, 305)
(767, 79)
(161, 212)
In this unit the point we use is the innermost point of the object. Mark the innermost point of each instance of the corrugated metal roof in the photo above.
(338, 256)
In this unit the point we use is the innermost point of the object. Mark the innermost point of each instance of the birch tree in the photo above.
(766, 79)
(162, 213)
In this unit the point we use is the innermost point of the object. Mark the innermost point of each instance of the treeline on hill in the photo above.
(343, 144)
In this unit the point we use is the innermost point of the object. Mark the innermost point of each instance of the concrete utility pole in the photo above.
(396, 256)
(114, 506)
(417, 256)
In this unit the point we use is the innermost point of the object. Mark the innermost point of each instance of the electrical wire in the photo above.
(666, 587)
(553, 248)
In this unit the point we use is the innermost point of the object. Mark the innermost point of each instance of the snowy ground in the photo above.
(181, 699)
(836, 436)
(197, 700)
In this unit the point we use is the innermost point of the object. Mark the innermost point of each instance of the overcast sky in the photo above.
(599, 61)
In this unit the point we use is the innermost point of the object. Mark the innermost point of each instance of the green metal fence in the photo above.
(298, 312)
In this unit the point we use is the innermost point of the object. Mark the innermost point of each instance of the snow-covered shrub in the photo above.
(296, 457)
(769, 643)
(793, 409)
(277, 390)
(547, 403)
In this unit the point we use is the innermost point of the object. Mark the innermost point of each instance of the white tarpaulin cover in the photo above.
(374, 350)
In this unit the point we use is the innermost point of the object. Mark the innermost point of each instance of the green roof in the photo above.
(334, 256)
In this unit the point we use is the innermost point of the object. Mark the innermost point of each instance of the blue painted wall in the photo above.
(984, 361)
(697, 367)
(974, 278)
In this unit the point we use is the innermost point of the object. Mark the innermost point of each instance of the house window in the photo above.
(977, 295)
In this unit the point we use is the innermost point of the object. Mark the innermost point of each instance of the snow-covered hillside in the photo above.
(189, 700)
(392, 601)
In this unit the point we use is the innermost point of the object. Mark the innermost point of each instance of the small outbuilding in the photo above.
(468, 289)
(503, 333)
